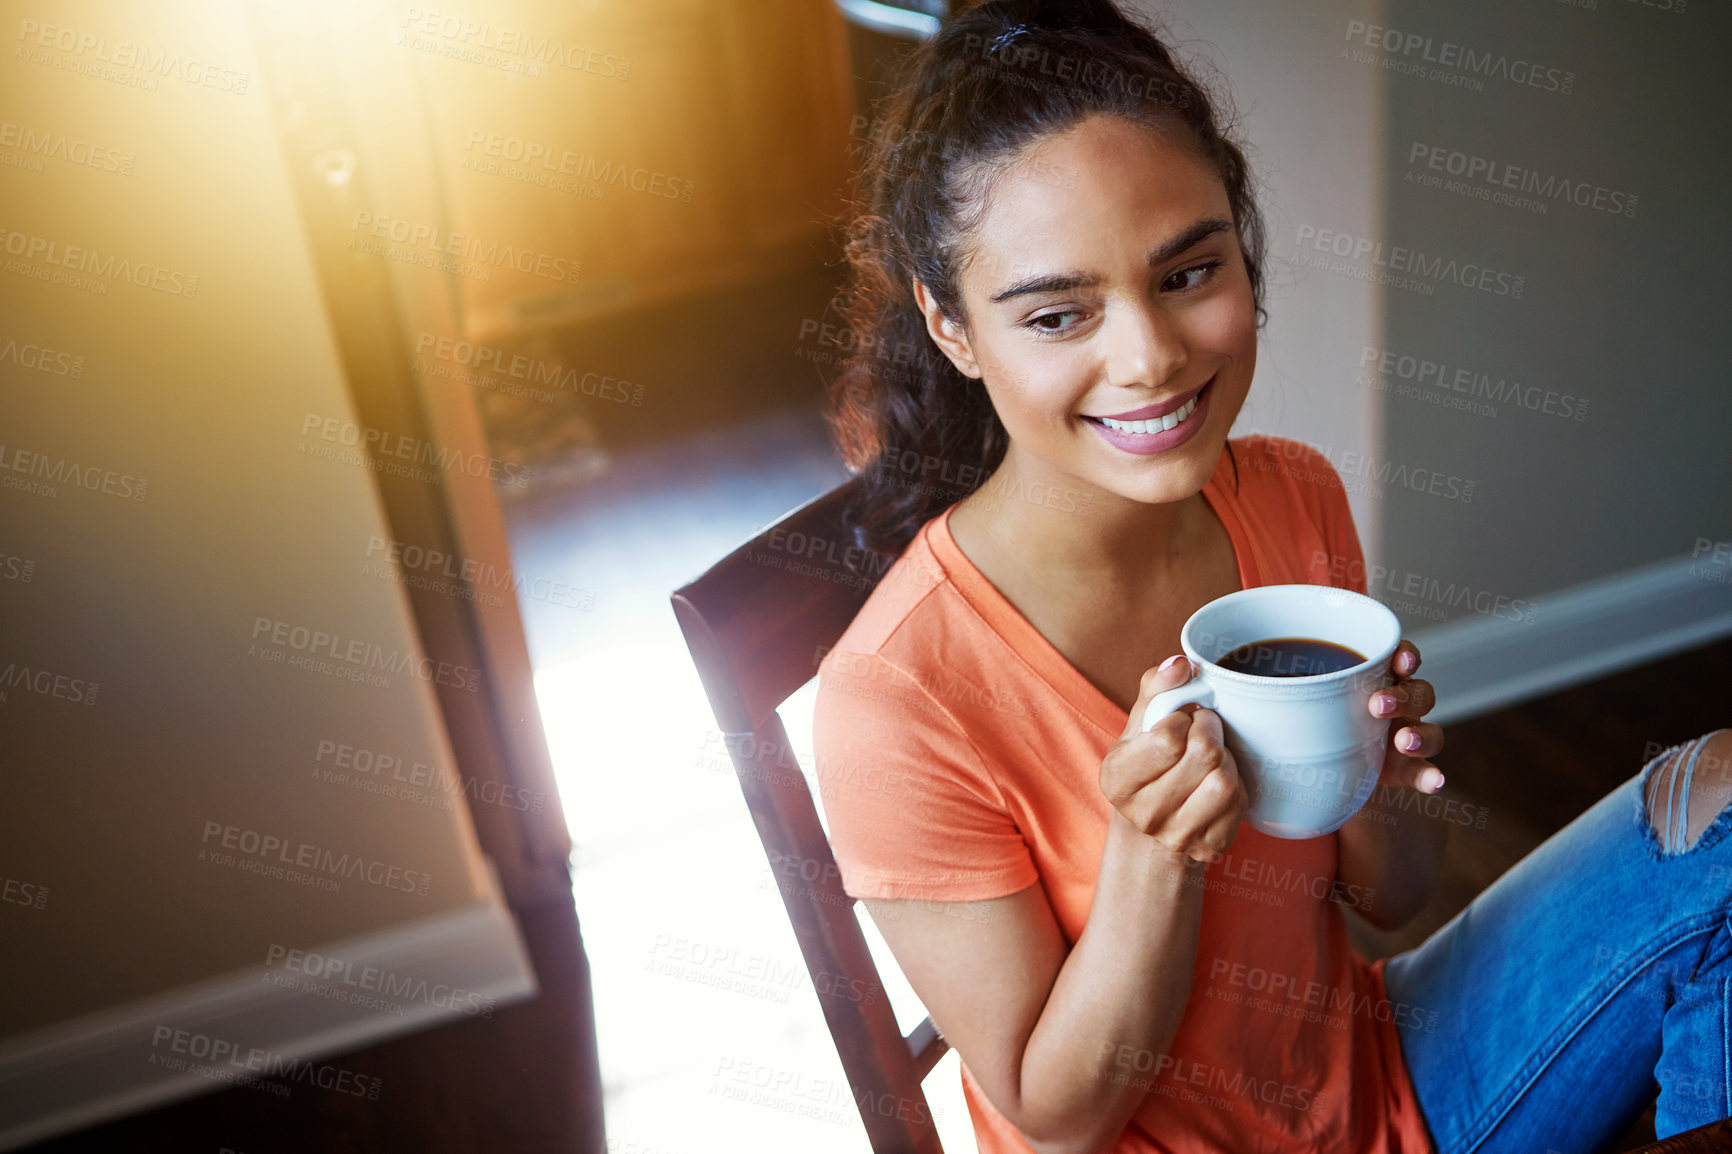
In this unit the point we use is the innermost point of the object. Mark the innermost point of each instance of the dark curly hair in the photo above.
(994, 80)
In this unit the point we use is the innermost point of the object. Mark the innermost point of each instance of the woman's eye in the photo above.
(1052, 322)
(1191, 278)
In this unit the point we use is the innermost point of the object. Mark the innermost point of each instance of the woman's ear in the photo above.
(946, 333)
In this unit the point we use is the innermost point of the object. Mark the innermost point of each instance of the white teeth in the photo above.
(1154, 424)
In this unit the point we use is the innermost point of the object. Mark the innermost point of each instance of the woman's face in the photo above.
(1106, 298)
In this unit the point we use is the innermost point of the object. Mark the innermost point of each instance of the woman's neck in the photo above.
(1039, 519)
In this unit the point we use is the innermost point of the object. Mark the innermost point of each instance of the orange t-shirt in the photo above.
(958, 758)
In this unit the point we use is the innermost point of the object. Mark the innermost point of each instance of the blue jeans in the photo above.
(1598, 965)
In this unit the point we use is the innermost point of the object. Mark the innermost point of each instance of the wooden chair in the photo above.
(756, 624)
(1715, 1136)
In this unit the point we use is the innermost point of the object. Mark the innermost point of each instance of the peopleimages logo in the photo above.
(1033, 65)
(443, 242)
(90, 47)
(1399, 585)
(361, 657)
(1718, 568)
(1330, 999)
(1361, 473)
(476, 575)
(47, 683)
(487, 358)
(581, 165)
(231, 1061)
(42, 359)
(1413, 264)
(378, 444)
(1484, 178)
(42, 473)
(534, 47)
(15, 568)
(360, 979)
(22, 893)
(1384, 364)
(1178, 1077)
(269, 854)
(1411, 52)
(108, 266)
(40, 143)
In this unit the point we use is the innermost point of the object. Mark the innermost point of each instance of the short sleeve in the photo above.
(913, 811)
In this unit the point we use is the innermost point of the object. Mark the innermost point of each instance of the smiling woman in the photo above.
(1056, 292)
(974, 127)
(1057, 283)
(1142, 336)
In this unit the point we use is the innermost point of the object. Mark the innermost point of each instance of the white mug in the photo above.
(1308, 748)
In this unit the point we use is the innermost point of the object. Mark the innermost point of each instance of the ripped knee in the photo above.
(1689, 786)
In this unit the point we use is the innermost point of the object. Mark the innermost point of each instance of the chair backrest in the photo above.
(756, 623)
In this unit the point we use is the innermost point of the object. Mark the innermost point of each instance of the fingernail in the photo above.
(1385, 705)
(1171, 661)
(1410, 741)
(1431, 780)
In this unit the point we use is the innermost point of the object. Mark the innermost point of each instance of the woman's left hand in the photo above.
(1410, 744)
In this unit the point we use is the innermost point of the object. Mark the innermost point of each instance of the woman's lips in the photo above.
(1146, 444)
(1148, 412)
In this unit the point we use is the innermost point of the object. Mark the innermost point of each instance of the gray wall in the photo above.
(1626, 312)
(1522, 436)
(1312, 126)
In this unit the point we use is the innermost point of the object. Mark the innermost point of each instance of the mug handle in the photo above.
(1163, 704)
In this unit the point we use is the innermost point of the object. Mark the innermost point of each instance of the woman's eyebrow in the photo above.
(1193, 235)
(1065, 281)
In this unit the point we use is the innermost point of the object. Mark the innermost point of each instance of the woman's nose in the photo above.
(1144, 346)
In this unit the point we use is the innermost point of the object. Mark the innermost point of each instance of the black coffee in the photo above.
(1290, 657)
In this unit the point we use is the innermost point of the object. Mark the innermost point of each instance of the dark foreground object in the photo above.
(525, 1081)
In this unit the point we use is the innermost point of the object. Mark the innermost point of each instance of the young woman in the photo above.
(1056, 297)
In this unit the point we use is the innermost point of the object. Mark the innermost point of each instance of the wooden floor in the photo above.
(1538, 765)
(698, 365)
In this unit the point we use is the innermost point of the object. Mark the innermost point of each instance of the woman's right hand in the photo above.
(1177, 783)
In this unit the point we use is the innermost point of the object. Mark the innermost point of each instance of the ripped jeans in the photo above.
(1596, 966)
